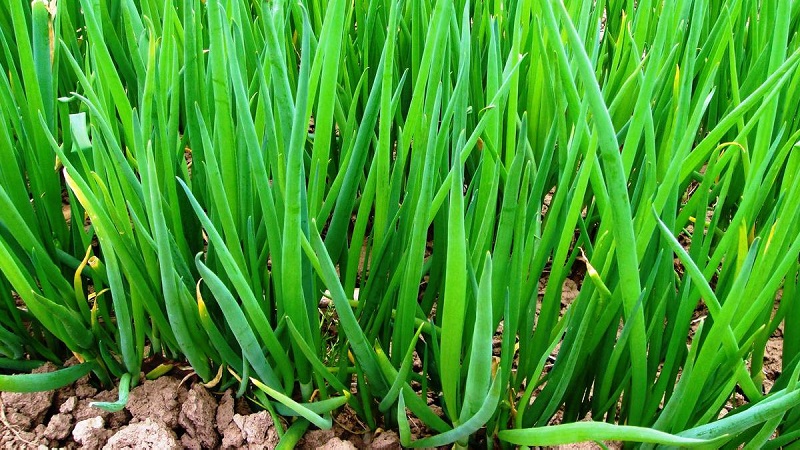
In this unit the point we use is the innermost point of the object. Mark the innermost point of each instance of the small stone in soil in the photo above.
(69, 405)
(90, 433)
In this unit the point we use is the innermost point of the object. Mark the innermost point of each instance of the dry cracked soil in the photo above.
(160, 414)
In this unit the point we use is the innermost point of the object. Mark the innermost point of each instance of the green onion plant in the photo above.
(195, 178)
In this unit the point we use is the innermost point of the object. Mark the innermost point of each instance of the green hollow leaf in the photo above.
(479, 372)
(253, 310)
(321, 407)
(463, 430)
(238, 324)
(601, 431)
(455, 293)
(35, 382)
(772, 406)
(417, 405)
(41, 57)
(293, 434)
(303, 409)
(124, 390)
(182, 323)
(355, 334)
(402, 375)
(296, 216)
(21, 365)
(627, 259)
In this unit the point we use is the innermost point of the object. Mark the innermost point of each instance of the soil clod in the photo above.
(146, 435)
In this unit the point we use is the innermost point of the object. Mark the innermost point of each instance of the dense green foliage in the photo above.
(190, 178)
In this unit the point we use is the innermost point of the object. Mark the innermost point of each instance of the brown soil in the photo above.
(160, 414)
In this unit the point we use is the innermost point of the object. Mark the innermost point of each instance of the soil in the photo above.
(160, 414)
(166, 414)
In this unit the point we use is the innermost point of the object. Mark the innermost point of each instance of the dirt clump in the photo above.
(316, 438)
(91, 433)
(10, 438)
(21, 416)
(83, 389)
(225, 410)
(337, 444)
(258, 429)
(149, 434)
(59, 427)
(68, 406)
(232, 436)
(159, 414)
(159, 399)
(18, 421)
(197, 418)
(388, 440)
